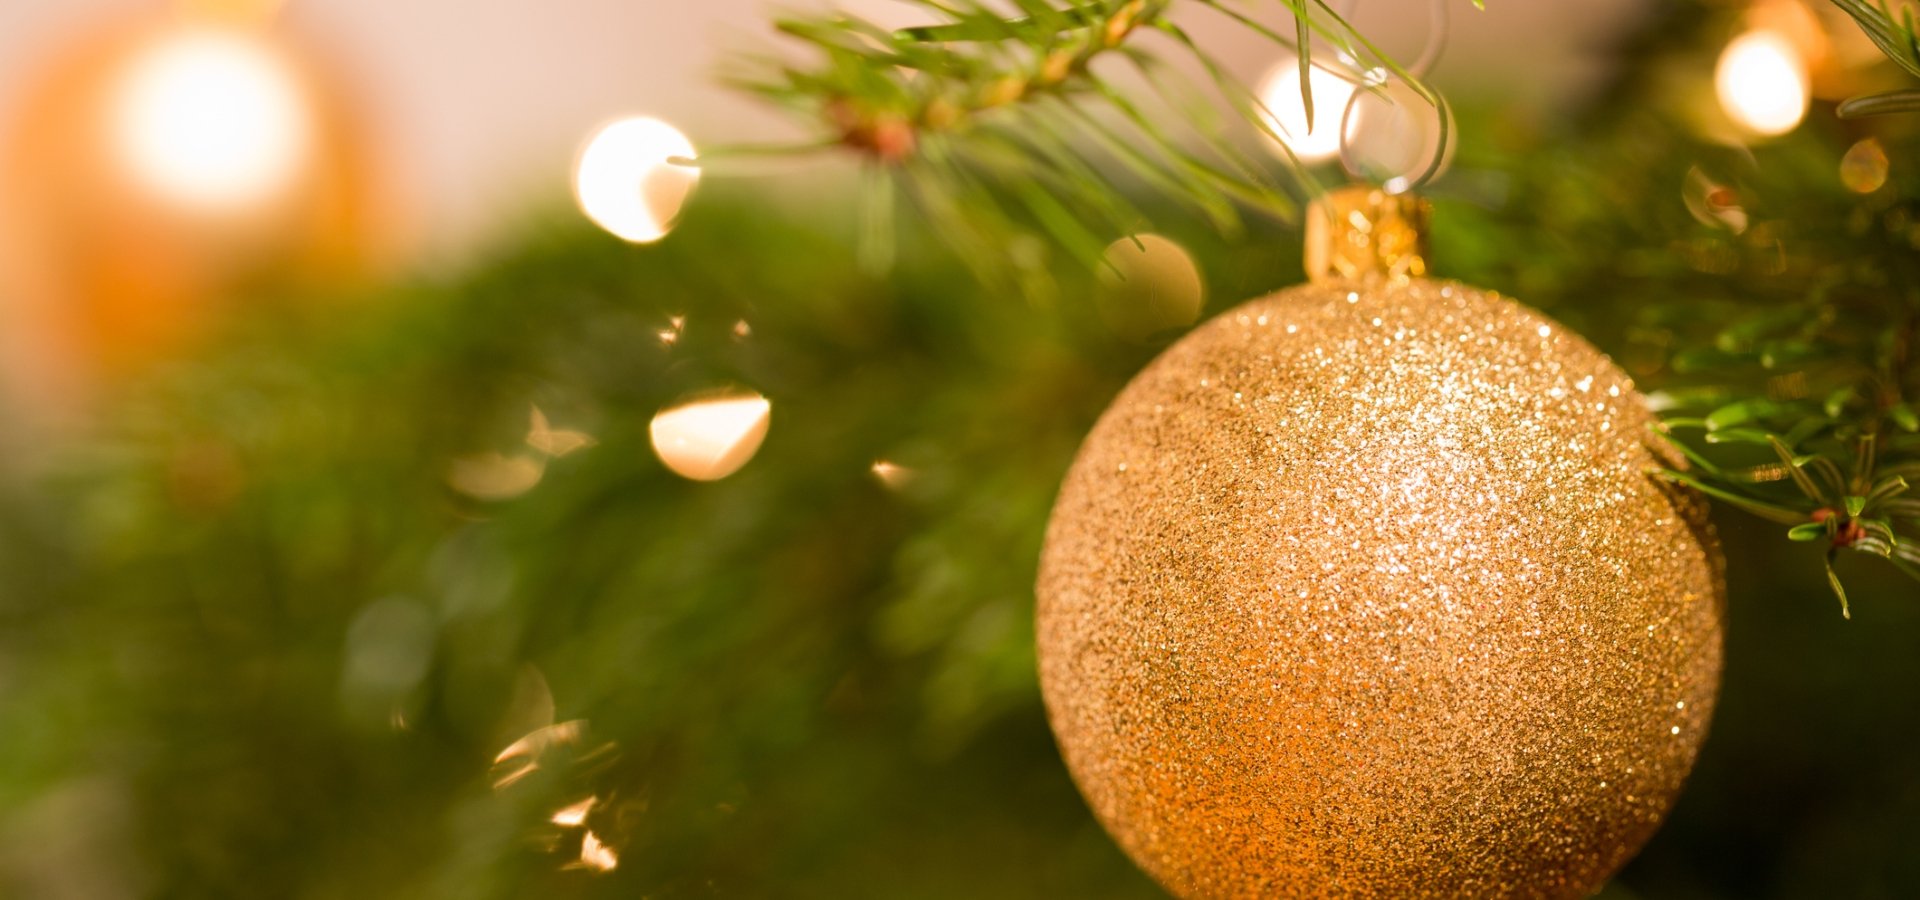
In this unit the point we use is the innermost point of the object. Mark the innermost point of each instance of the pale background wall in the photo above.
(480, 104)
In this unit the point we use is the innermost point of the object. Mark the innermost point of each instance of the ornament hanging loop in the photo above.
(1420, 149)
(1357, 232)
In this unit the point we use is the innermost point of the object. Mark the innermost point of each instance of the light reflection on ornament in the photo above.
(627, 179)
(1864, 169)
(211, 119)
(709, 439)
(1310, 140)
(1761, 81)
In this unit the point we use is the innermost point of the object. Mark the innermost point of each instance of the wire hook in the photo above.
(1439, 24)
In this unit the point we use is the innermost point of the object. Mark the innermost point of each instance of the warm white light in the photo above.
(522, 757)
(212, 119)
(575, 815)
(892, 475)
(626, 182)
(708, 440)
(1762, 83)
(1287, 113)
(596, 855)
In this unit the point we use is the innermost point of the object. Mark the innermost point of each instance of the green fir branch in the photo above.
(1895, 35)
(965, 109)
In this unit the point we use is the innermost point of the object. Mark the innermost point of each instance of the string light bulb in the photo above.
(1313, 139)
(631, 179)
(1762, 83)
(212, 119)
(709, 439)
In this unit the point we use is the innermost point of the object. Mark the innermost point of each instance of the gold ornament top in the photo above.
(1361, 590)
(1358, 232)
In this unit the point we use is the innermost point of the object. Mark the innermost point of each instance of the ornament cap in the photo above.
(1358, 231)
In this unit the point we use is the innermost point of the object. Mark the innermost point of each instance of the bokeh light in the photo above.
(495, 476)
(1712, 203)
(1762, 83)
(628, 182)
(554, 442)
(1149, 285)
(670, 335)
(573, 815)
(1315, 139)
(709, 439)
(893, 475)
(212, 119)
(1864, 169)
(596, 855)
(523, 757)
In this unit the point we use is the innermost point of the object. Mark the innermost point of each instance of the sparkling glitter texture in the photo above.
(1361, 591)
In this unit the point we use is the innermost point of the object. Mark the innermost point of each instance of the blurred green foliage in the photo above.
(252, 644)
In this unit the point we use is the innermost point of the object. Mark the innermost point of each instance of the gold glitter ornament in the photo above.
(1361, 590)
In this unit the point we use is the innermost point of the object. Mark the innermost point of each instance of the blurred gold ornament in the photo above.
(1362, 590)
(159, 168)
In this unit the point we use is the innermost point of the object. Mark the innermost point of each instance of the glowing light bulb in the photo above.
(707, 440)
(211, 119)
(626, 180)
(1762, 83)
(1287, 113)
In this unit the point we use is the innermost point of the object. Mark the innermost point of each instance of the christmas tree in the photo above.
(703, 563)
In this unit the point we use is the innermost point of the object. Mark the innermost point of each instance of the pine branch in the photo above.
(1821, 380)
(1896, 37)
(1004, 128)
